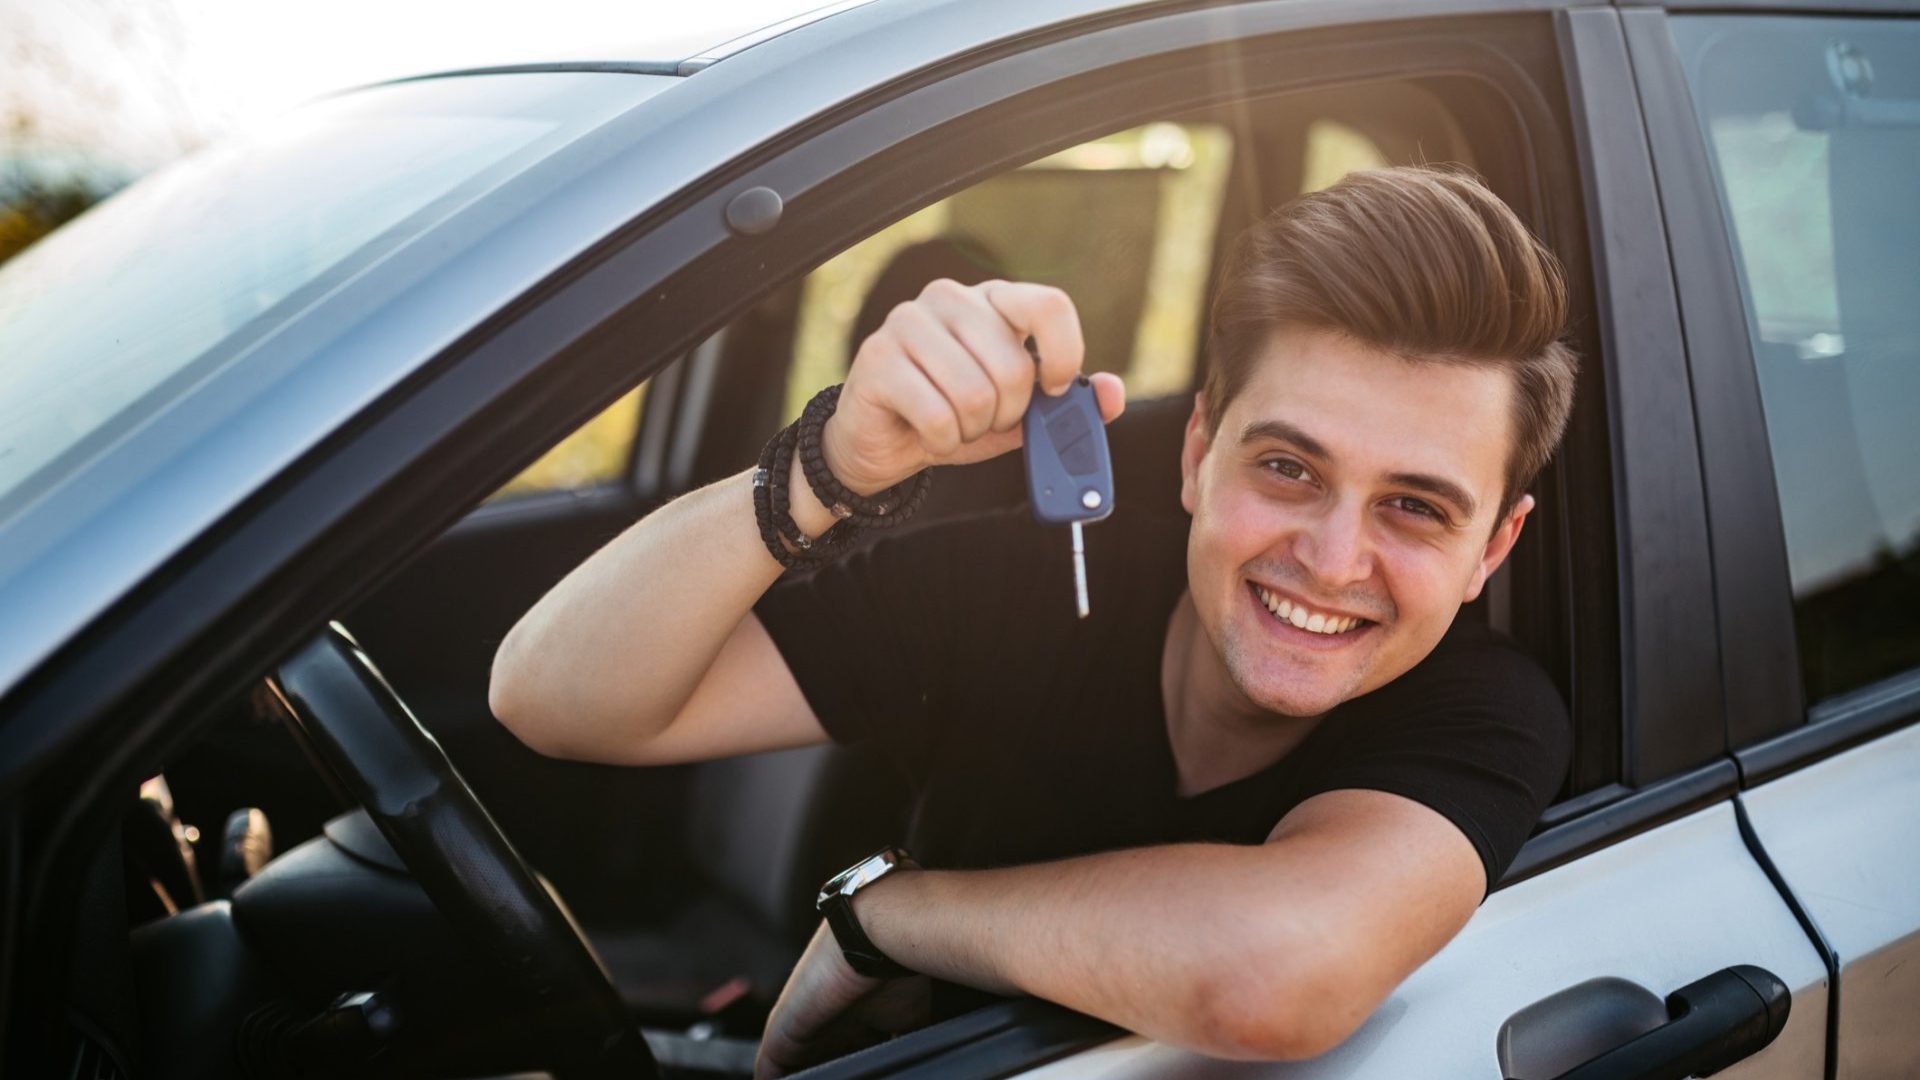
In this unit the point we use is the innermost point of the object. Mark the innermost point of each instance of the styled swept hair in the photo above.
(1418, 261)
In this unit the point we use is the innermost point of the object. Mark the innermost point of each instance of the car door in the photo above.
(1791, 141)
(1642, 881)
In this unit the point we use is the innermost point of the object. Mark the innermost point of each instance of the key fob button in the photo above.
(1072, 438)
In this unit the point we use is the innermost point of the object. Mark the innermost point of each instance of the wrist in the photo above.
(808, 512)
(833, 449)
(877, 906)
(837, 901)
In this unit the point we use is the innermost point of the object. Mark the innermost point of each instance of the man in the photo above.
(1268, 778)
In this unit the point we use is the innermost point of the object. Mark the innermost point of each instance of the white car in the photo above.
(284, 382)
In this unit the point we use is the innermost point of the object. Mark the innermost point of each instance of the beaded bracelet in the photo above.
(880, 511)
(772, 511)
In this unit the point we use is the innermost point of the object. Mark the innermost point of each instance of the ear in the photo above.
(1193, 450)
(1498, 545)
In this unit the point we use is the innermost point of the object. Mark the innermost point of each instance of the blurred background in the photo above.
(95, 93)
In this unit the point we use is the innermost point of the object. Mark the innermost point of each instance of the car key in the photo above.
(1069, 473)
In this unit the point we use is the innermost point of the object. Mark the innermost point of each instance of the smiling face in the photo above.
(1343, 511)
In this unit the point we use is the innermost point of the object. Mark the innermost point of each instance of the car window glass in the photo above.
(1126, 224)
(116, 314)
(597, 453)
(1813, 126)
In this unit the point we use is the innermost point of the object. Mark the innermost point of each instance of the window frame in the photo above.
(1673, 744)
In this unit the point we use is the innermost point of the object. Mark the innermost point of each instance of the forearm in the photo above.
(611, 654)
(1161, 941)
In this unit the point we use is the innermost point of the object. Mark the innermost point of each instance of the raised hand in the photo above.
(946, 379)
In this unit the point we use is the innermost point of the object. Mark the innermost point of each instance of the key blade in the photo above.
(1080, 568)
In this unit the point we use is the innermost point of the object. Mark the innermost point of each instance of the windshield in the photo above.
(119, 313)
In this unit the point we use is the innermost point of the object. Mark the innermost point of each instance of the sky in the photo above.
(141, 80)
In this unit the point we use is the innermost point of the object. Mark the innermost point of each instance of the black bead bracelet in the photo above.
(880, 511)
(772, 508)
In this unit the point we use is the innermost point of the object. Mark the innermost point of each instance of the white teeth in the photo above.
(1298, 615)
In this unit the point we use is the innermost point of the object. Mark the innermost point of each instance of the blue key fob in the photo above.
(1069, 473)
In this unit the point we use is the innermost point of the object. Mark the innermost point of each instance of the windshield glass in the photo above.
(120, 312)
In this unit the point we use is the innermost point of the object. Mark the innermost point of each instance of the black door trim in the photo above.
(1667, 662)
(1834, 726)
(1760, 671)
(1628, 815)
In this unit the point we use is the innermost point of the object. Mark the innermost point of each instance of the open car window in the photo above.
(1129, 225)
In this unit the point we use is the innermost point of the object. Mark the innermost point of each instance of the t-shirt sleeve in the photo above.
(1477, 732)
(874, 638)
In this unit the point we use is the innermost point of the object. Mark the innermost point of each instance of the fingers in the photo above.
(967, 315)
(946, 379)
(903, 387)
(966, 381)
(1111, 393)
(1048, 316)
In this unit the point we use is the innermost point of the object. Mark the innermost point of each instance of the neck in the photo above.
(1218, 734)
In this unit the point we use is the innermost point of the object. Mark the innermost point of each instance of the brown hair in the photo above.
(1419, 261)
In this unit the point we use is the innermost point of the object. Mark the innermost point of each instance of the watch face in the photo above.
(860, 874)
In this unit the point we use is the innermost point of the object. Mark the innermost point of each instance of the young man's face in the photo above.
(1356, 493)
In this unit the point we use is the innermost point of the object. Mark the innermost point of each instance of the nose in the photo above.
(1334, 548)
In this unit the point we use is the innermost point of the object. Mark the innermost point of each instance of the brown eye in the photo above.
(1288, 468)
(1417, 507)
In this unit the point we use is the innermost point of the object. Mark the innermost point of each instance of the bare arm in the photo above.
(648, 652)
(656, 628)
(1271, 952)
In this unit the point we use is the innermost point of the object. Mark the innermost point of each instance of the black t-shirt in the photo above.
(1033, 734)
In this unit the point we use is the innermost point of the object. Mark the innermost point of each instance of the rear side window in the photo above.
(1813, 128)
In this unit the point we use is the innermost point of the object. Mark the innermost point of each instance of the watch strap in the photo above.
(862, 954)
(836, 904)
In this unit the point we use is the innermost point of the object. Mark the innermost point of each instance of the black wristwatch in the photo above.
(836, 903)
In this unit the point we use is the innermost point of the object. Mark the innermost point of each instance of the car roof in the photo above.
(699, 39)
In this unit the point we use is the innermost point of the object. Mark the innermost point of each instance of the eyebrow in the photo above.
(1284, 432)
(1426, 483)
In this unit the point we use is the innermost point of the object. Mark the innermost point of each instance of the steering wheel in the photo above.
(365, 734)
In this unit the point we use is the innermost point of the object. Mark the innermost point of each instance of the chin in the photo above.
(1294, 703)
(1285, 688)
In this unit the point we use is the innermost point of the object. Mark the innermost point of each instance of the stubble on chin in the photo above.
(1263, 679)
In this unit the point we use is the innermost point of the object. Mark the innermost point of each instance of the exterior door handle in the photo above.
(1711, 1023)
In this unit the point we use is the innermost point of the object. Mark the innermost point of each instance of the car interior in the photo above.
(695, 884)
